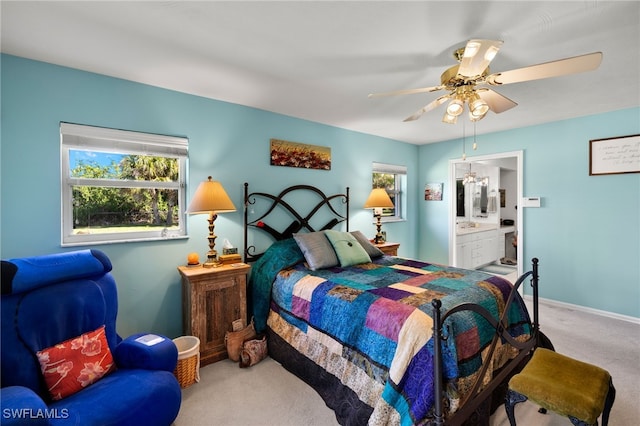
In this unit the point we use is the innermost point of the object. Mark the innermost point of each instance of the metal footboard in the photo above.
(478, 395)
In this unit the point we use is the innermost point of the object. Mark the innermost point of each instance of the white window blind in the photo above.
(389, 168)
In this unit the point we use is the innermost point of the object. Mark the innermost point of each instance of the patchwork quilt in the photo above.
(370, 326)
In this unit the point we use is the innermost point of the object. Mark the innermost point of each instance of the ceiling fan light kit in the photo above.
(477, 106)
(455, 107)
(449, 119)
(473, 117)
(465, 81)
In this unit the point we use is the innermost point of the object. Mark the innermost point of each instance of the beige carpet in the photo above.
(267, 395)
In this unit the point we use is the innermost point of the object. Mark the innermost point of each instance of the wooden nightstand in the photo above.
(212, 298)
(390, 249)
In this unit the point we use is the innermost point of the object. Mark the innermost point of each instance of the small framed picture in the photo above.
(433, 192)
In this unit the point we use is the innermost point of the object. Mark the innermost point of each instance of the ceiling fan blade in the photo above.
(407, 91)
(497, 102)
(427, 107)
(574, 65)
(477, 56)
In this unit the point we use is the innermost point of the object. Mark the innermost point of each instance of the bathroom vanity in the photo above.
(480, 244)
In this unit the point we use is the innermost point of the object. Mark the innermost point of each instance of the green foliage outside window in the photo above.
(101, 206)
(388, 182)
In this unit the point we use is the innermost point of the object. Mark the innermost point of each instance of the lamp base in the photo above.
(212, 254)
(379, 237)
(212, 260)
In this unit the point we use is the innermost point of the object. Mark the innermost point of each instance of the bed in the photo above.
(359, 326)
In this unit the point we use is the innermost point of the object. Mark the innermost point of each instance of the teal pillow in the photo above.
(317, 250)
(348, 249)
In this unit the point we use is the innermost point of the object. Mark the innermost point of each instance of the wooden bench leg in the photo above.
(512, 399)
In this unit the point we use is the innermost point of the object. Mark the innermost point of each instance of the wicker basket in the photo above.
(188, 368)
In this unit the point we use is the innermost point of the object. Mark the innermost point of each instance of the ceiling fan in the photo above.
(467, 81)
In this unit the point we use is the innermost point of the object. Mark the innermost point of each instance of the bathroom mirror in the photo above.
(479, 197)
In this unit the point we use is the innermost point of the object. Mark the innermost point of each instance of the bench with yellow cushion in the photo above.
(563, 385)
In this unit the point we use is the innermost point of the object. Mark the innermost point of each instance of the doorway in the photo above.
(499, 175)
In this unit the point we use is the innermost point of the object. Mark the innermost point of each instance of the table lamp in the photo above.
(378, 199)
(211, 198)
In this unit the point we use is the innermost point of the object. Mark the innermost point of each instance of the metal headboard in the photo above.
(301, 221)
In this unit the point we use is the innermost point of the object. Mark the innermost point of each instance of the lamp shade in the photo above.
(210, 197)
(378, 198)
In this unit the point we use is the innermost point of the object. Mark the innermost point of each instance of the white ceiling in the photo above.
(318, 60)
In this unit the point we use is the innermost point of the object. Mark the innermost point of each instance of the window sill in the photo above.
(132, 240)
(390, 220)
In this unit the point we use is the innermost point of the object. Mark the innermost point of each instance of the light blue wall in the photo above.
(229, 142)
(587, 235)
(587, 232)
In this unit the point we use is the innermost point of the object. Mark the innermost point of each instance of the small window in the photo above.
(393, 179)
(121, 186)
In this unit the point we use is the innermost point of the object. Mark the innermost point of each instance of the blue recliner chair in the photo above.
(49, 299)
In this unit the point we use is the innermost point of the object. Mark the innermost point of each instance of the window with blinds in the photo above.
(393, 178)
(120, 186)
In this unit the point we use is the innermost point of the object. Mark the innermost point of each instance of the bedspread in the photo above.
(370, 326)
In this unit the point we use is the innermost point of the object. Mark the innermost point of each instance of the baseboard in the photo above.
(565, 305)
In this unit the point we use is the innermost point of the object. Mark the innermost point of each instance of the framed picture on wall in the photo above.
(294, 154)
(433, 192)
(614, 155)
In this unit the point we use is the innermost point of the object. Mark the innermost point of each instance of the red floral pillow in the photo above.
(75, 363)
